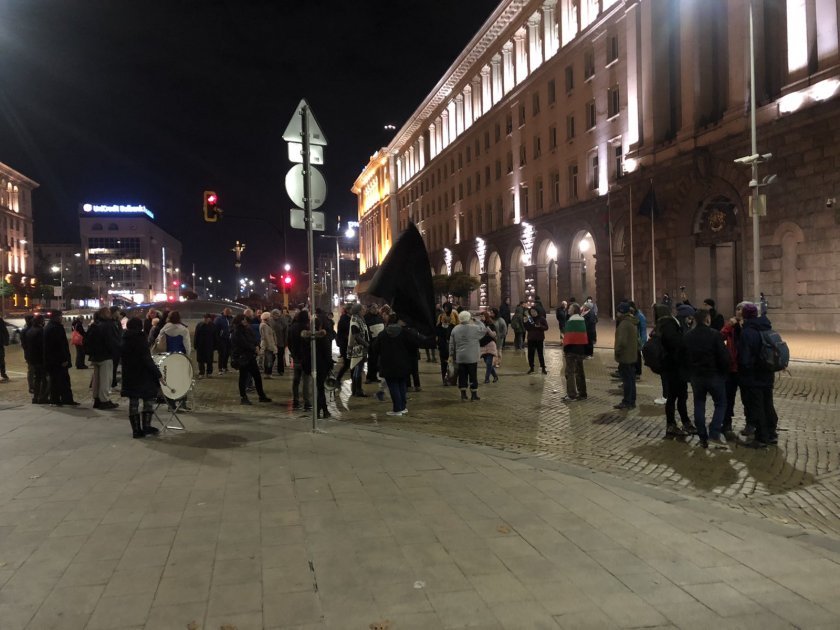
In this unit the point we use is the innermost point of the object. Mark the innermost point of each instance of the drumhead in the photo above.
(177, 371)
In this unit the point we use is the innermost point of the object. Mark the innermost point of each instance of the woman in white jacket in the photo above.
(268, 343)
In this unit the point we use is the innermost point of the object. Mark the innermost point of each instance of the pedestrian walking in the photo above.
(591, 320)
(487, 348)
(464, 350)
(535, 327)
(375, 325)
(396, 348)
(244, 349)
(626, 352)
(443, 330)
(517, 322)
(298, 347)
(575, 342)
(732, 338)
(501, 333)
(140, 378)
(707, 361)
(562, 315)
(342, 336)
(358, 342)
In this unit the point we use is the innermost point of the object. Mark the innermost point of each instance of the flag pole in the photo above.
(653, 243)
(612, 268)
(632, 264)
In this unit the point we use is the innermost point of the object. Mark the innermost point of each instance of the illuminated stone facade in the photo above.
(537, 147)
(16, 230)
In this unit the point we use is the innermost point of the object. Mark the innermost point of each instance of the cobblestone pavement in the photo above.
(798, 482)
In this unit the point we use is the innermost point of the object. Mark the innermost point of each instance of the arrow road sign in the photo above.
(294, 131)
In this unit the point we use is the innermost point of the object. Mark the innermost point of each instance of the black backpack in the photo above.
(774, 355)
(653, 353)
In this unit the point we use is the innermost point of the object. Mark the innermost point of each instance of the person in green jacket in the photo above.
(626, 352)
(517, 322)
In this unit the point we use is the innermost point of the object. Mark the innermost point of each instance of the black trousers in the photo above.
(253, 370)
(536, 346)
(224, 354)
(80, 357)
(60, 391)
(676, 395)
(40, 387)
(759, 408)
(468, 372)
(2, 360)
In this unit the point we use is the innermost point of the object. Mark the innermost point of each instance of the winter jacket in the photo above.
(442, 332)
(397, 346)
(642, 327)
(342, 333)
(487, 344)
(99, 342)
(705, 352)
(177, 338)
(750, 373)
(205, 342)
(562, 317)
(268, 340)
(34, 347)
(463, 342)
(56, 348)
(114, 331)
(539, 308)
(296, 346)
(281, 330)
(668, 329)
(222, 326)
(243, 343)
(4, 333)
(731, 337)
(504, 313)
(536, 328)
(501, 329)
(627, 339)
(576, 339)
(517, 322)
(140, 375)
(323, 354)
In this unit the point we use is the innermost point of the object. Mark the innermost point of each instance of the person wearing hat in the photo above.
(464, 350)
(626, 352)
(756, 382)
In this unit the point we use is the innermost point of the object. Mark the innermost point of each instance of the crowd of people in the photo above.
(717, 358)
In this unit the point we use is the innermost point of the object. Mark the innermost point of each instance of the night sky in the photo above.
(153, 101)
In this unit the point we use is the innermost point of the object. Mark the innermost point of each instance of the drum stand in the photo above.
(174, 422)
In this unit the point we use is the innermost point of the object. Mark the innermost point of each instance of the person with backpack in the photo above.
(674, 383)
(575, 342)
(757, 377)
(732, 336)
(707, 361)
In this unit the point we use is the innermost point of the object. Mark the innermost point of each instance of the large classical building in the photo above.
(534, 162)
(127, 255)
(16, 224)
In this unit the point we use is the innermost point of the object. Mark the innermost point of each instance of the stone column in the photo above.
(646, 65)
(459, 115)
(507, 55)
(496, 65)
(521, 55)
(634, 76)
(432, 141)
(438, 135)
(477, 110)
(486, 90)
(444, 129)
(689, 79)
(550, 40)
(421, 143)
(468, 109)
(535, 54)
(739, 60)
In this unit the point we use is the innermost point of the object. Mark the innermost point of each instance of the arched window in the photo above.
(113, 227)
(97, 227)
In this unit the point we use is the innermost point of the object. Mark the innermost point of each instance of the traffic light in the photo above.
(287, 283)
(211, 206)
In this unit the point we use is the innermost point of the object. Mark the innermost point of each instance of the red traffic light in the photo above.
(211, 206)
(287, 279)
(212, 199)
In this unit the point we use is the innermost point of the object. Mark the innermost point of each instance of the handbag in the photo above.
(451, 374)
(76, 338)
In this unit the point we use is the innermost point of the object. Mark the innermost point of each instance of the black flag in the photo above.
(649, 207)
(404, 280)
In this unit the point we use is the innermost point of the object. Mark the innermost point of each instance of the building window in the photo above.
(509, 123)
(570, 127)
(522, 154)
(498, 132)
(469, 186)
(487, 138)
(573, 182)
(469, 156)
(537, 147)
(97, 227)
(552, 137)
(612, 49)
(588, 64)
(477, 148)
(535, 103)
(570, 79)
(499, 169)
(523, 201)
(510, 162)
(555, 187)
(552, 92)
(539, 199)
(594, 172)
(460, 162)
(477, 181)
(521, 114)
(113, 227)
(590, 115)
(618, 160)
(487, 173)
(613, 101)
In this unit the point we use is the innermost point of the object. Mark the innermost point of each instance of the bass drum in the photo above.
(177, 371)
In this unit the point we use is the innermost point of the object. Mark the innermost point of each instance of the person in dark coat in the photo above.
(323, 362)
(591, 321)
(535, 326)
(756, 382)
(79, 327)
(34, 349)
(27, 324)
(716, 318)
(297, 349)
(57, 361)
(341, 338)
(116, 340)
(397, 348)
(707, 361)
(244, 348)
(442, 331)
(674, 380)
(205, 345)
(100, 346)
(4, 341)
(222, 326)
(140, 378)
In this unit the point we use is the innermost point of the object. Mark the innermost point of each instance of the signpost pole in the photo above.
(307, 207)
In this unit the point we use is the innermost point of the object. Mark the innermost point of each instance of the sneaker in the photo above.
(380, 396)
(582, 397)
(773, 440)
(567, 399)
(531, 371)
(674, 431)
(404, 411)
(544, 371)
(748, 430)
(244, 401)
(660, 401)
(265, 399)
(393, 413)
(616, 375)
(624, 405)
(4, 378)
(756, 444)
(689, 428)
(704, 443)
(718, 442)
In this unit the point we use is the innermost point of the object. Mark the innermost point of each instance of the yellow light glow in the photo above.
(630, 165)
(791, 102)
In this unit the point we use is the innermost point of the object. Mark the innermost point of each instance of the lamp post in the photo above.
(348, 233)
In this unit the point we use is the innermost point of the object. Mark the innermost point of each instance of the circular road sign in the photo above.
(317, 186)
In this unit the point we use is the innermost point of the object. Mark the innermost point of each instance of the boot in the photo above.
(474, 395)
(244, 401)
(148, 429)
(463, 394)
(136, 428)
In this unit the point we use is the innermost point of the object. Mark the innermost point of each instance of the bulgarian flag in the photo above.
(575, 334)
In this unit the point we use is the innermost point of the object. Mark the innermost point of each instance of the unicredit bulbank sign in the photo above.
(90, 208)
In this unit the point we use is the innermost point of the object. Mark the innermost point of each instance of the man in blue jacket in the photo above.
(756, 381)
